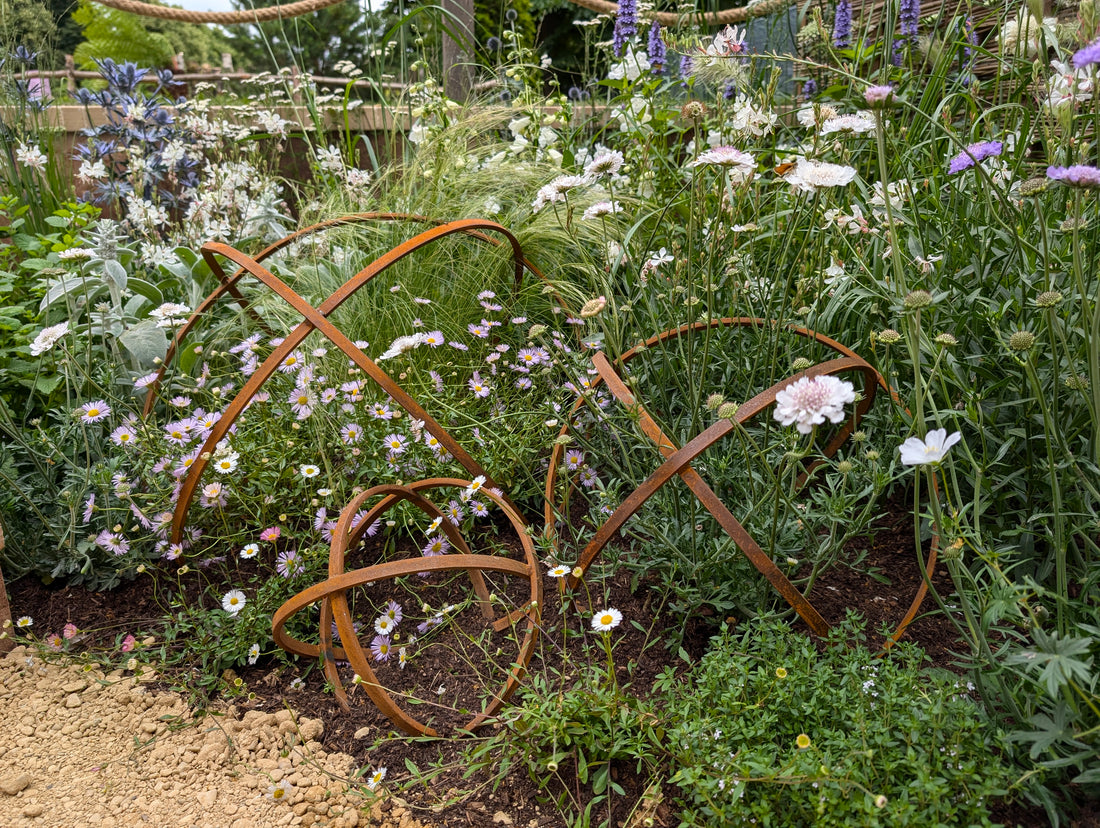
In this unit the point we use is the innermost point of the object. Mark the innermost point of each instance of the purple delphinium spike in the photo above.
(655, 49)
(626, 25)
(842, 25)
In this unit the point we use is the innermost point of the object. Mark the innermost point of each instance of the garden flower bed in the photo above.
(618, 445)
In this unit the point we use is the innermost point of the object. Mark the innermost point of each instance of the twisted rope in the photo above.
(225, 18)
(719, 18)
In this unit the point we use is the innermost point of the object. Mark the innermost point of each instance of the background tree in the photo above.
(314, 43)
(148, 41)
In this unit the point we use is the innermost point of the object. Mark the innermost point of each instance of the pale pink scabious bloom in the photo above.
(48, 337)
(878, 96)
(728, 157)
(809, 401)
(932, 449)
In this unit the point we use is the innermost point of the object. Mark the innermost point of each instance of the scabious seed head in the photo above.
(859, 436)
(1076, 382)
(844, 467)
(1073, 223)
(917, 299)
(714, 402)
(693, 111)
(946, 340)
(889, 336)
(536, 331)
(1048, 299)
(593, 307)
(1034, 186)
(727, 410)
(872, 455)
(801, 364)
(1021, 341)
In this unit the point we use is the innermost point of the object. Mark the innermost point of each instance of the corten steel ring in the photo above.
(228, 284)
(678, 461)
(332, 594)
(316, 319)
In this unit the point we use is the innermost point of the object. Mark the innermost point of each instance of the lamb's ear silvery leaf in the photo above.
(113, 271)
(145, 342)
(81, 286)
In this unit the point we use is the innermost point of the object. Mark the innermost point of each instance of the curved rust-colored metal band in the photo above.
(228, 284)
(353, 651)
(335, 601)
(314, 319)
(677, 462)
(334, 609)
(745, 542)
(558, 451)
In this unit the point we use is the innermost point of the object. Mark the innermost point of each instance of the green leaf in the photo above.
(145, 342)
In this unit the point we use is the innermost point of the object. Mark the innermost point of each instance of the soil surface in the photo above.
(80, 747)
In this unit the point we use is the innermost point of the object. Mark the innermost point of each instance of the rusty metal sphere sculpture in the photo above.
(333, 595)
(678, 460)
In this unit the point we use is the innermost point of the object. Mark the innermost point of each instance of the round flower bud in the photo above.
(536, 331)
(727, 410)
(714, 402)
(1021, 341)
(859, 436)
(1034, 186)
(889, 336)
(1048, 299)
(801, 364)
(872, 455)
(881, 800)
(593, 307)
(844, 467)
(1076, 382)
(946, 339)
(918, 299)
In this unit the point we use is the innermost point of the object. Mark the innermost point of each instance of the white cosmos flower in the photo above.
(809, 401)
(932, 449)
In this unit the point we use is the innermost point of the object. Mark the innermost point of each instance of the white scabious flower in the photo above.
(48, 337)
(809, 176)
(810, 401)
(857, 124)
(633, 65)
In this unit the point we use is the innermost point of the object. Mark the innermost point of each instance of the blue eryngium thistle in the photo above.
(626, 25)
(842, 25)
(655, 49)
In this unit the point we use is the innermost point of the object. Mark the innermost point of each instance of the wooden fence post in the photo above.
(457, 70)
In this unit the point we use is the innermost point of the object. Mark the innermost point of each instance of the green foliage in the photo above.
(27, 23)
(148, 41)
(314, 43)
(774, 732)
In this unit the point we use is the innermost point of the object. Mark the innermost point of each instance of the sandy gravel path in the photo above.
(84, 749)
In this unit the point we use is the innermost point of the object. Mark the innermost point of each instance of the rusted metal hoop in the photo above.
(228, 284)
(316, 319)
(677, 461)
(332, 594)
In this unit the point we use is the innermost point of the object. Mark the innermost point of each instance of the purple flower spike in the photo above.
(842, 25)
(655, 49)
(626, 25)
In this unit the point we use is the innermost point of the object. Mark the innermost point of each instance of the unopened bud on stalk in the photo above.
(917, 299)
(727, 411)
(889, 336)
(714, 402)
(1021, 341)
